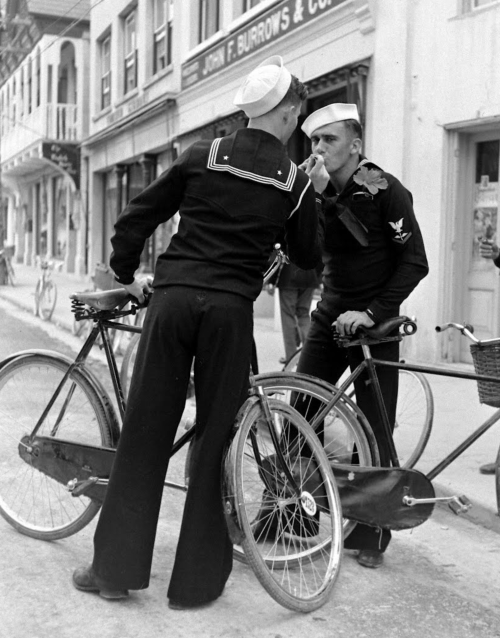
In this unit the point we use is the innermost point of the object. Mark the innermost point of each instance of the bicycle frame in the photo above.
(369, 364)
(65, 463)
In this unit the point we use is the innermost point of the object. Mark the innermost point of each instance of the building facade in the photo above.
(44, 63)
(163, 73)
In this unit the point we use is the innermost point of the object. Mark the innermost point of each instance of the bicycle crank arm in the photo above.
(458, 504)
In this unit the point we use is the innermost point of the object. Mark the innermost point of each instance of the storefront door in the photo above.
(481, 294)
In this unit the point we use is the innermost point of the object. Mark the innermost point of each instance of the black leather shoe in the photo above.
(488, 468)
(370, 558)
(84, 579)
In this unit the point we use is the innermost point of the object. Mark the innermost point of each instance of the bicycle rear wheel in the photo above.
(296, 519)
(31, 501)
(47, 300)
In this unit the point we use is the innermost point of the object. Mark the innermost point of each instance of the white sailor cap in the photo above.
(264, 87)
(329, 115)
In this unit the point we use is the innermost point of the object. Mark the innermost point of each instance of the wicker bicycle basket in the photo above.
(486, 358)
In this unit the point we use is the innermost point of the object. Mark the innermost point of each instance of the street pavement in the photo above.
(457, 408)
(439, 580)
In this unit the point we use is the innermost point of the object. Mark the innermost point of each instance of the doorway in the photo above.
(478, 220)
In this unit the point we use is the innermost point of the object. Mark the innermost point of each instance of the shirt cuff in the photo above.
(372, 315)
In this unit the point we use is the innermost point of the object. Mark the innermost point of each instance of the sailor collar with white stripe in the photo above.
(255, 155)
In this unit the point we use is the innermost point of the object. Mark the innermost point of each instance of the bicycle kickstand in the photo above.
(457, 504)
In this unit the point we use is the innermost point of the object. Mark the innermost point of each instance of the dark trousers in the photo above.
(295, 310)
(216, 329)
(323, 358)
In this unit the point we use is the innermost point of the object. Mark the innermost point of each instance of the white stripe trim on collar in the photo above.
(215, 166)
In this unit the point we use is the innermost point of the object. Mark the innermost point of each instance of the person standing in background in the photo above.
(296, 290)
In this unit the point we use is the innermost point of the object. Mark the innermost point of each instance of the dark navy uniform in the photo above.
(235, 196)
(374, 257)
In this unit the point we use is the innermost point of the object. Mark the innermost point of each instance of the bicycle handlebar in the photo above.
(467, 330)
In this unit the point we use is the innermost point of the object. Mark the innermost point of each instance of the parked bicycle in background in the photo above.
(46, 289)
(7, 275)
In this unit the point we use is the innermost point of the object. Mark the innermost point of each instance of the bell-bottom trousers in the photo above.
(323, 358)
(215, 328)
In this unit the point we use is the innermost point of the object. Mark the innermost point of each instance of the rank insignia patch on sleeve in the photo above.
(400, 237)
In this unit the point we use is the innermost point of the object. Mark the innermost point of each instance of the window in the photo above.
(209, 18)
(130, 53)
(14, 115)
(21, 92)
(106, 72)
(30, 85)
(163, 11)
(246, 5)
(38, 78)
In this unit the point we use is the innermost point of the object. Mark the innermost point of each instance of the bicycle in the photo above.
(414, 411)
(6, 255)
(46, 289)
(57, 455)
(486, 358)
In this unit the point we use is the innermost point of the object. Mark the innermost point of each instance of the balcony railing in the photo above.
(62, 123)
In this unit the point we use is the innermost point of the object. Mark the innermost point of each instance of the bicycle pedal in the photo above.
(460, 504)
(80, 487)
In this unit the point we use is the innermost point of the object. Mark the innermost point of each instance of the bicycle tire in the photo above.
(253, 467)
(414, 417)
(414, 413)
(36, 303)
(33, 503)
(47, 300)
(128, 363)
(346, 429)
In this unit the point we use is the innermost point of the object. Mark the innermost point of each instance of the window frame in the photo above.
(162, 35)
(130, 57)
(105, 74)
(204, 32)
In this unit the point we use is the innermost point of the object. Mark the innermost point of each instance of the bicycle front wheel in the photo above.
(31, 501)
(348, 437)
(47, 301)
(414, 417)
(301, 508)
(414, 412)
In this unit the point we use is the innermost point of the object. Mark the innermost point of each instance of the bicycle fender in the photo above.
(236, 533)
(86, 373)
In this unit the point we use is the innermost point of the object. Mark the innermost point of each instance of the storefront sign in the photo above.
(268, 27)
(65, 157)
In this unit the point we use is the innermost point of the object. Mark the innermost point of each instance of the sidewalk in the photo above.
(457, 411)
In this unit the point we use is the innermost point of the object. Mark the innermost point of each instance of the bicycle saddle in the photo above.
(105, 300)
(384, 328)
